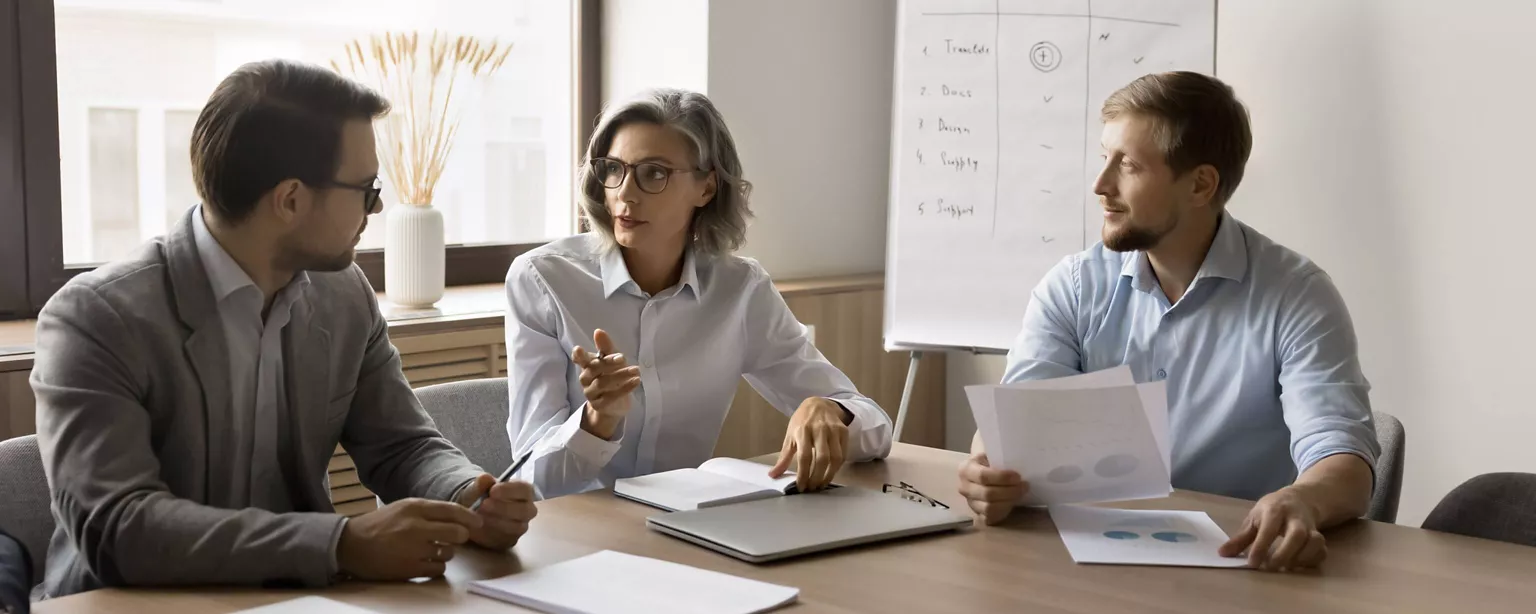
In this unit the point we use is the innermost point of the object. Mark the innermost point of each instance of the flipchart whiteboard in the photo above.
(995, 144)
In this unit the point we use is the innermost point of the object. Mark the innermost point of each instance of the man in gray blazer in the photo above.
(189, 397)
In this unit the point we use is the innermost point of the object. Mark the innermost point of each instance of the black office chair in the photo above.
(1498, 506)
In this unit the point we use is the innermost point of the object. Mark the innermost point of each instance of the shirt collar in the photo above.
(1227, 258)
(616, 274)
(224, 274)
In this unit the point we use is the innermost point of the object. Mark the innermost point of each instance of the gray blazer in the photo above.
(131, 378)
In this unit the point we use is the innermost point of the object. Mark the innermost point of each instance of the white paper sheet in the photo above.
(1141, 537)
(984, 407)
(308, 605)
(615, 582)
(1080, 446)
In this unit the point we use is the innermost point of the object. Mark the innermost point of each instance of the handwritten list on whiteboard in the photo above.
(996, 144)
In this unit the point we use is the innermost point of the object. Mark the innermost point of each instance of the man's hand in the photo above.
(411, 538)
(815, 442)
(990, 492)
(504, 515)
(607, 381)
(1285, 520)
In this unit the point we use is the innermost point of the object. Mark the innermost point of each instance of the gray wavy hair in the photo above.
(719, 227)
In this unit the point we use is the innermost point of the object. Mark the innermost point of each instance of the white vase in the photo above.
(413, 255)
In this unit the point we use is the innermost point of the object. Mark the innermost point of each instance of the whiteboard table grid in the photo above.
(995, 147)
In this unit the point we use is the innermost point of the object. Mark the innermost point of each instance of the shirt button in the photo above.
(1161, 374)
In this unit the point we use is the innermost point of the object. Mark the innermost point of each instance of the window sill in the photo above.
(462, 307)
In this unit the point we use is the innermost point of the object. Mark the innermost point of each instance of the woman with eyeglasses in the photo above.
(625, 344)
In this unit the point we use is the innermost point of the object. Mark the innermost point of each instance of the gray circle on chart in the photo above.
(1116, 465)
(1065, 474)
(1045, 56)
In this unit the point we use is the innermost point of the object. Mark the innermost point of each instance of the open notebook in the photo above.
(717, 482)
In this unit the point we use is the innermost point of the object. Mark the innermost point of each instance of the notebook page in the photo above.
(688, 489)
(750, 472)
(633, 584)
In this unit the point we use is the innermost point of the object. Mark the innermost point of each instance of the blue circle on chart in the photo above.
(1116, 465)
(1121, 535)
(1174, 537)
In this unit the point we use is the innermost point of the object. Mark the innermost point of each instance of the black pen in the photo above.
(506, 475)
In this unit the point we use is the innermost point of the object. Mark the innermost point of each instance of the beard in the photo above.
(297, 257)
(1131, 239)
(331, 263)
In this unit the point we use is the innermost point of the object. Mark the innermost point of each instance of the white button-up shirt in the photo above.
(722, 321)
(257, 390)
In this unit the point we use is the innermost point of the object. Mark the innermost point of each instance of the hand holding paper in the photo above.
(1080, 439)
(990, 492)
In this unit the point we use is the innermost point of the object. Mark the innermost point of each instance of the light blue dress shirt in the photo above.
(1259, 356)
(694, 342)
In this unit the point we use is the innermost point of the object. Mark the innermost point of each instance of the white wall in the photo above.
(805, 86)
(654, 43)
(1391, 142)
(1389, 145)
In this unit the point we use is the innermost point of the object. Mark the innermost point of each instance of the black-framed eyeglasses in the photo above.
(370, 191)
(651, 177)
(910, 493)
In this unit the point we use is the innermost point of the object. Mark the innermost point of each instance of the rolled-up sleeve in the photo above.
(784, 366)
(541, 417)
(1324, 393)
(1048, 344)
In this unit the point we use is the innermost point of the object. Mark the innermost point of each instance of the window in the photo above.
(127, 78)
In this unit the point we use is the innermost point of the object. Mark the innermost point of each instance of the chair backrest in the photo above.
(473, 415)
(24, 498)
(1500, 506)
(1389, 467)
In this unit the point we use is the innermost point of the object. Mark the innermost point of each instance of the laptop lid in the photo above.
(783, 527)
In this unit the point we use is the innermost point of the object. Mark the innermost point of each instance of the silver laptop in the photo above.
(783, 527)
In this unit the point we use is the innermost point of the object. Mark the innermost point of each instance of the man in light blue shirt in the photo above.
(1266, 396)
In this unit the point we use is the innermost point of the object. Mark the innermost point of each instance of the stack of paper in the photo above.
(1141, 537)
(1081, 439)
(615, 582)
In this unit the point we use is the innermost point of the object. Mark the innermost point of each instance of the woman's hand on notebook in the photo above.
(607, 381)
(814, 443)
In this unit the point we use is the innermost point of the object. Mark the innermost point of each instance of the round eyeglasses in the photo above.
(651, 177)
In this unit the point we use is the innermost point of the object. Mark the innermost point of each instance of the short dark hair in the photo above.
(1199, 121)
(271, 121)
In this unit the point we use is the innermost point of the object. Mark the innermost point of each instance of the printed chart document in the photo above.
(1141, 537)
(614, 582)
(1082, 439)
(308, 605)
(719, 481)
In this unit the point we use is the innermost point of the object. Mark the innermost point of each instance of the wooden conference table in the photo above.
(1020, 565)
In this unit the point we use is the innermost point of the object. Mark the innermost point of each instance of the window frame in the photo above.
(31, 231)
